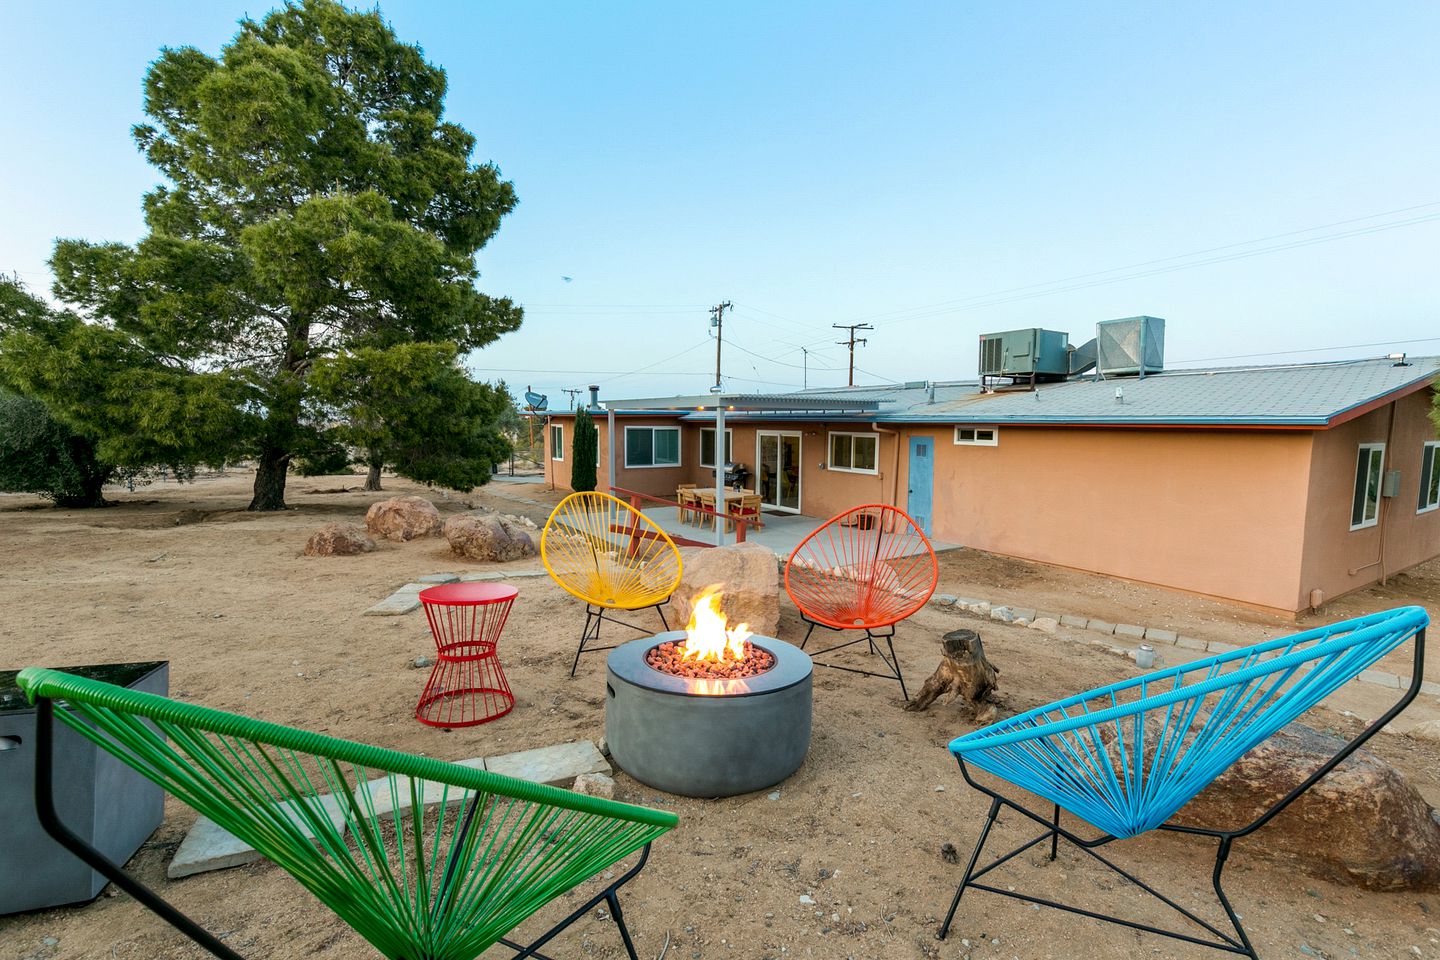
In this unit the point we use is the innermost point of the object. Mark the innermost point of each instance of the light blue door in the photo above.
(922, 481)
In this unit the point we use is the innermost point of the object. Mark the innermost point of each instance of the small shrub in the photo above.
(39, 454)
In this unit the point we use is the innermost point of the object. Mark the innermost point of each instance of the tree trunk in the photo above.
(270, 481)
(372, 479)
(963, 671)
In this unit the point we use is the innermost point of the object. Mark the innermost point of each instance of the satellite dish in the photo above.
(537, 401)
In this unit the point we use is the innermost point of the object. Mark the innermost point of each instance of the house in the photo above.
(1277, 487)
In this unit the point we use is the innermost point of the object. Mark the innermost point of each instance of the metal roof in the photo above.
(1294, 395)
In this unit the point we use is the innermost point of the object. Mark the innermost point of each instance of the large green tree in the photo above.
(414, 407)
(314, 202)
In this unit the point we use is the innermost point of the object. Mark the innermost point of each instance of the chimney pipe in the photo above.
(594, 397)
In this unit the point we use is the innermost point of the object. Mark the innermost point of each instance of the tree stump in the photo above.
(963, 672)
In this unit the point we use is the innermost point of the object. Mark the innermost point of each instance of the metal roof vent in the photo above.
(1130, 347)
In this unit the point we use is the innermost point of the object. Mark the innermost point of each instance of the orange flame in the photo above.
(708, 636)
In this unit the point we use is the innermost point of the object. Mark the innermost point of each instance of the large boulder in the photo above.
(495, 537)
(748, 578)
(1362, 824)
(338, 540)
(403, 518)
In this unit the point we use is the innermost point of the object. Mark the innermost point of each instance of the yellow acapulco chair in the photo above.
(610, 555)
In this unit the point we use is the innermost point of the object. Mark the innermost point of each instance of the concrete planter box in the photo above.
(106, 803)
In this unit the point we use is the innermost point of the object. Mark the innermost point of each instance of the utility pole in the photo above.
(852, 327)
(717, 320)
(575, 391)
(804, 369)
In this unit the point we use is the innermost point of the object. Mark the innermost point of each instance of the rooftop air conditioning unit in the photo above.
(1042, 354)
(1135, 345)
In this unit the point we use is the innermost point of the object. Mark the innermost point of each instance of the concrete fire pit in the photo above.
(707, 738)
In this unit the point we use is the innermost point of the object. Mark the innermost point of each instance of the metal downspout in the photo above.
(895, 473)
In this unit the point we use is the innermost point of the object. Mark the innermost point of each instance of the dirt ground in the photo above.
(181, 572)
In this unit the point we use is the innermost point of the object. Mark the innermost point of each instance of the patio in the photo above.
(781, 532)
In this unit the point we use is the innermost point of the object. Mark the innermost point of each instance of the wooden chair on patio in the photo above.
(423, 859)
(603, 551)
(746, 507)
(865, 569)
(1124, 759)
(688, 500)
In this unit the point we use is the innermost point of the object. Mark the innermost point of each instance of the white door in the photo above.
(777, 469)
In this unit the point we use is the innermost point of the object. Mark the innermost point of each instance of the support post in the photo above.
(610, 448)
(720, 471)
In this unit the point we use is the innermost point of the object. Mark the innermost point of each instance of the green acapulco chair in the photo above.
(426, 860)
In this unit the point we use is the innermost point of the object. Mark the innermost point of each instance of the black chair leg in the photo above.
(970, 868)
(49, 819)
(614, 901)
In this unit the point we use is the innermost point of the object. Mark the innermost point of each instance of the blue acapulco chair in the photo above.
(1125, 758)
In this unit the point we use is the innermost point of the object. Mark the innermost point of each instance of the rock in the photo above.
(807, 900)
(1363, 824)
(594, 785)
(603, 746)
(493, 537)
(749, 581)
(421, 662)
(948, 853)
(403, 518)
(943, 600)
(1003, 614)
(1045, 625)
(339, 540)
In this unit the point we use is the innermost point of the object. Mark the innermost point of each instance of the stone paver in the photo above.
(523, 574)
(1430, 688)
(209, 846)
(556, 765)
(943, 600)
(434, 578)
(386, 800)
(1159, 635)
(1129, 630)
(1047, 615)
(413, 587)
(1078, 622)
(395, 604)
(1190, 643)
(1100, 626)
(1380, 677)
(485, 577)
(1219, 646)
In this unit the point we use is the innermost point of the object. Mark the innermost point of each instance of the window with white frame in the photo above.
(1429, 478)
(977, 436)
(652, 446)
(557, 442)
(854, 452)
(1365, 507)
(707, 446)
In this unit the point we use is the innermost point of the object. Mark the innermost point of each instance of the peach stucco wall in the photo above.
(1217, 512)
(1337, 559)
(655, 481)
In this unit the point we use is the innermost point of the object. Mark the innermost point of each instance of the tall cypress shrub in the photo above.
(584, 453)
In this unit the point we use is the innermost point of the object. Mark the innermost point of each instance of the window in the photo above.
(977, 436)
(1365, 510)
(557, 442)
(855, 452)
(1429, 478)
(707, 446)
(652, 446)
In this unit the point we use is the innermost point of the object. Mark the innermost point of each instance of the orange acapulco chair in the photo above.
(865, 569)
(603, 551)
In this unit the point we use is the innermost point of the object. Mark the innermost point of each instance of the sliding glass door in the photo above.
(777, 470)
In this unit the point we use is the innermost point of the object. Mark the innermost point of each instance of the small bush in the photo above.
(39, 454)
(327, 459)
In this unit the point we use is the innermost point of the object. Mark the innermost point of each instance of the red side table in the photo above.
(467, 685)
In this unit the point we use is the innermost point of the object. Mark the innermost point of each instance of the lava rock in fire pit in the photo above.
(669, 657)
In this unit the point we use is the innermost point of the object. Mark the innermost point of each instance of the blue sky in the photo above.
(928, 168)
